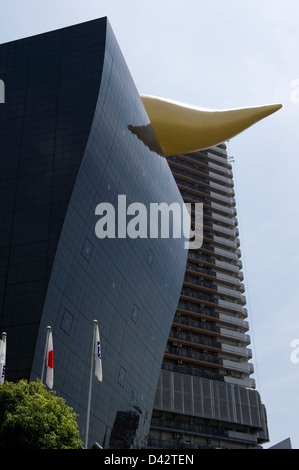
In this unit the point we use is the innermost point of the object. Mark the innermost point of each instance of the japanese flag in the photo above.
(50, 362)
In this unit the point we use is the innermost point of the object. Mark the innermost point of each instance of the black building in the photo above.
(66, 145)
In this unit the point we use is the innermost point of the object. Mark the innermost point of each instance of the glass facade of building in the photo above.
(66, 145)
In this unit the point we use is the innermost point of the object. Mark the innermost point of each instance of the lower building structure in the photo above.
(206, 397)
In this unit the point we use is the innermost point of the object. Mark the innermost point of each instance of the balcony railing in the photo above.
(235, 335)
(221, 169)
(189, 355)
(245, 367)
(197, 325)
(195, 340)
(224, 209)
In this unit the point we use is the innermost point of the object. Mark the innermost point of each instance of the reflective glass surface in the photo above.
(66, 146)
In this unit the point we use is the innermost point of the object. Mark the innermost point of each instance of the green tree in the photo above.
(31, 417)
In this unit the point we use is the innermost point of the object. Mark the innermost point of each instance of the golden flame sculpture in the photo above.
(180, 128)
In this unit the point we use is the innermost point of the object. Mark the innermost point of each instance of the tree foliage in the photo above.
(31, 417)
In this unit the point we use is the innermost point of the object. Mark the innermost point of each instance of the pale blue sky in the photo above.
(224, 54)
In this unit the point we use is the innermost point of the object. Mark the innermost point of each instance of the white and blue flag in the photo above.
(98, 356)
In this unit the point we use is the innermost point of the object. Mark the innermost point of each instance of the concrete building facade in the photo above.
(206, 397)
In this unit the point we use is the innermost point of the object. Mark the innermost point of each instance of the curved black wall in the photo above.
(82, 152)
(52, 83)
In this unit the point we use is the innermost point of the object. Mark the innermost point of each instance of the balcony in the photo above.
(201, 312)
(198, 297)
(230, 201)
(223, 179)
(223, 209)
(199, 162)
(231, 221)
(235, 294)
(230, 267)
(216, 158)
(200, 173)
(235, 335)
(199, 258)
(233, 320)
(231, 255)
(245, 367)
(221, 169)
(242, 352)
(232, 306)
(229, 231)
(226, 278)
(196, 326)
(226, 242)
(222, 189)
(227, 266)
(202, 282)
(189, 356)
(192, 268)
(179, 339)
(218, 149)
(182, 177)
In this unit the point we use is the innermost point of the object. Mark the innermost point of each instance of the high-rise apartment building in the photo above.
(206, 396)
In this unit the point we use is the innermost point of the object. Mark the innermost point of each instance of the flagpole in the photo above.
(45, 353)
(95, 323)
